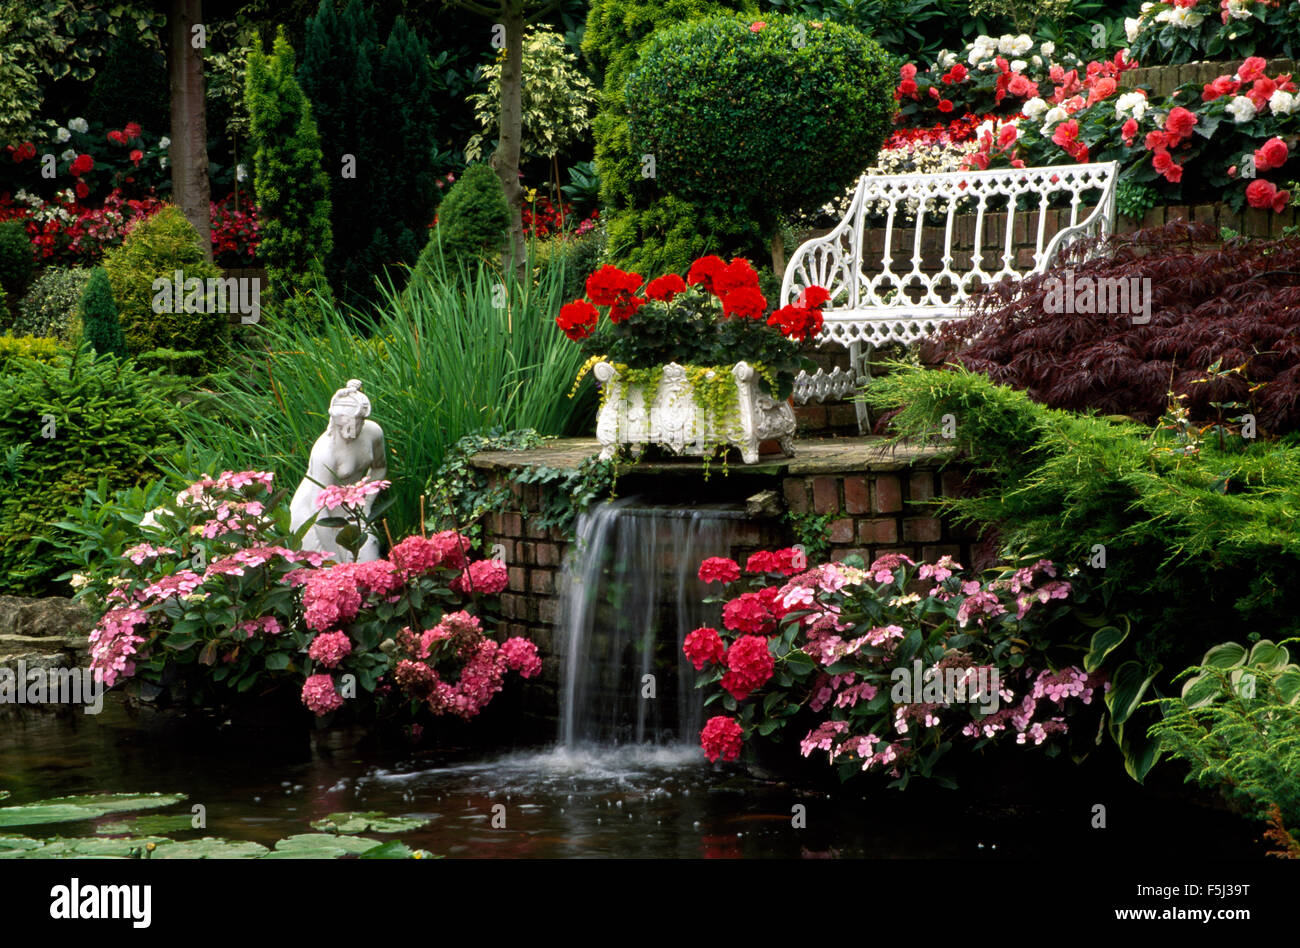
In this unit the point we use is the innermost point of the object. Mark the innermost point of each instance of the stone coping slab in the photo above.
(812, 456)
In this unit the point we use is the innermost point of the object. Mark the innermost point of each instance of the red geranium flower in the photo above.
(705, 271)
(746, 302)
(577, 319)
(797, 322)
(813, 297)
(117, 137)
(82, 190)
(132, 130)
(609, 283)
(625, 307)
(737, 275)
(81, 164)
(665, 287)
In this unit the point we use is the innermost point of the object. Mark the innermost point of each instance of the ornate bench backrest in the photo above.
(903, 288)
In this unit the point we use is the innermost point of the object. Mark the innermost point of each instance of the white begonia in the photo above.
(983, 48)
(164, 142)
(68, 155)
(61, 134)
(1036, 60)
(79, 125)
(1146, 7)
(1132, 26)
(1282, 102)
(1018, 65)
(1034, 107)
(1048, 48)
(1053, 116)
(241, 172)
(947, 59)
(1241, 109)
(1021, 45)
(1239, 9)
(1131, 103)
(162, 161)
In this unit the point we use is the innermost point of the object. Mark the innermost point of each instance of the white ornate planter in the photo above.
(675, 421)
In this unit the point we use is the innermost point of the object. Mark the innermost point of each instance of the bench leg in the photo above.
(860, 363)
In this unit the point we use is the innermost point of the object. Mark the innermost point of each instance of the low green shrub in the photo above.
(155, 249)
(36, 348)
(174, 361)
(73, 422)
(50, 306)
(16, 258)
(472, 222)
(580, 257)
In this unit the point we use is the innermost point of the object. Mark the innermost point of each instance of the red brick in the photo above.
(547, 554)
(841, 415)
(920, 486)
(857, 498)
(524, 552)
(872, 532)
(796, 494)
(826, 495)
(889, 494)
(494, 524)
(842, 553)
(931, 553)
(518, 578)
(842, 530)
(512, 605)
(921, 530)
(534, 531)
(810, 417)
(541, 581)
(548, 610)
(512, 525)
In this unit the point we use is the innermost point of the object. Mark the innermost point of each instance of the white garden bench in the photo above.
(872, 303)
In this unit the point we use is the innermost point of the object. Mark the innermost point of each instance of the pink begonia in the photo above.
(319, 696)
(268, 624)
(349, 495)
(145, 551)
(330, 648)
(484, 576)
(521, 656)
(112, 640)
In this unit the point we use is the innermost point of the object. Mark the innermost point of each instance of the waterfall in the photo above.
(630, 594)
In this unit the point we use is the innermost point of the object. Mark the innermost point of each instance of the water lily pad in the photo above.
(321, 846)
(17, 844)
(372, 821)
(396, 849)
(151, 824)
(76, 847)
(210, 848)
(84, 807)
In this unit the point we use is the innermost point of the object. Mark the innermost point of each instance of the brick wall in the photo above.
(1161, 81)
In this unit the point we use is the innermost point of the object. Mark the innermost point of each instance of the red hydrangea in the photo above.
(607, 285)
(748, 613)
(749, 666)
(719, 569)
(764, 561)
(703, 646)
(664, 288)
(577, 319)
(721, 738)
(521, 655)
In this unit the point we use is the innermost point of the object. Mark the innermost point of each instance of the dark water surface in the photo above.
(656, 802)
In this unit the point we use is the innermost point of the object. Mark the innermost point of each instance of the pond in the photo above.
(599, 801)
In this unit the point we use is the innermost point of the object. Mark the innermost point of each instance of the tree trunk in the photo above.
(505, 160)
(778, 253)
(191, 190)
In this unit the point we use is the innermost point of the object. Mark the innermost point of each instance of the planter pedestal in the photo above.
(675, 421)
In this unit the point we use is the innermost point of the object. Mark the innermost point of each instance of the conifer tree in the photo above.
(100, 326)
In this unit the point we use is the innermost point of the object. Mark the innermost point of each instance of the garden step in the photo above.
(51, 616)
(39, 650)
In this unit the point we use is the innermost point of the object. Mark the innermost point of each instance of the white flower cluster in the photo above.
(983, 50)
(1131, 103)
(915, 159)
(79, 125)
(1182, 17)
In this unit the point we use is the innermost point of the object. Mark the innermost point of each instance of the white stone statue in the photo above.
(351, 448)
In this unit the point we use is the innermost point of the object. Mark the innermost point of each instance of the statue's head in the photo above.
(348, 409)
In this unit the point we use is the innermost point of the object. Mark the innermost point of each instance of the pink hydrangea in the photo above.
(822, 736)
(330, 648)
(482, 576)
(521, 656)
(416, 554)
(113, 640)
(378, 577)
(319, 695)
(940, 570)
(145, 551)
(882, 568)
(452, 549)
(330, 597)
(268, 624)
(180, 583)
(977, 606)
(349, 495)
